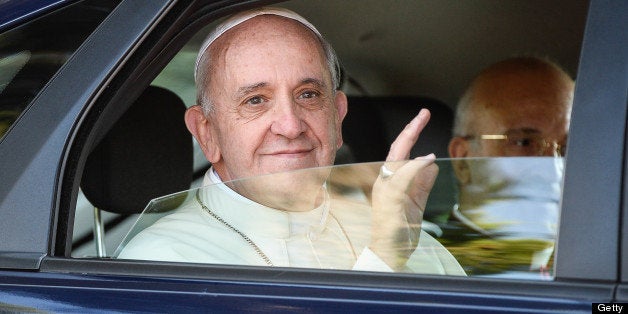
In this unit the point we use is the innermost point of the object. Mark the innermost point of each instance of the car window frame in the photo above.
(596, 152)
(55, 112)
(571, 281)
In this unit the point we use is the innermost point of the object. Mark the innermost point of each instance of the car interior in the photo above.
(397, 57)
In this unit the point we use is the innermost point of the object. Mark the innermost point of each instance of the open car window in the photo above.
(325, 218)
(368, 68)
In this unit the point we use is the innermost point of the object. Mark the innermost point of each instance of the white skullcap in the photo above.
(241, 17)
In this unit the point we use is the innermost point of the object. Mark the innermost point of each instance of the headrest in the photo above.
(373, 123)
(147, 154)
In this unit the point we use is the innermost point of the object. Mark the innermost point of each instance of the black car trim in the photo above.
(292, 277)
(595, 154)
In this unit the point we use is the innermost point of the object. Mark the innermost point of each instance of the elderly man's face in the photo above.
(528, 108)
(274, 106)
(531, 130)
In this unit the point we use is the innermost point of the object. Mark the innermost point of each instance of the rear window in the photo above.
(31, 53)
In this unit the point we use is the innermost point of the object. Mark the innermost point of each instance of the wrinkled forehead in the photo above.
(549, 120)
(538, 92)
(242, 17)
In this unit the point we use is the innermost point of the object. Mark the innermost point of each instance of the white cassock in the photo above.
(332, 236)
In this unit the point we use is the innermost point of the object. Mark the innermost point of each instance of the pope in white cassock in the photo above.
(269, 103)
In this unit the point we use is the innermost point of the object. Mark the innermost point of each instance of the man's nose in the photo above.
(287, 120)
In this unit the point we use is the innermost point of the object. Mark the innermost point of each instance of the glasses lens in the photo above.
(524, 143)
(520, 143)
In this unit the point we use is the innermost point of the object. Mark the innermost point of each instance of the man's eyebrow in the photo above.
(317, 82)
(525, 130)
(249, 88)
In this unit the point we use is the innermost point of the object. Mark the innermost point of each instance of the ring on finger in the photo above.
(385, 173)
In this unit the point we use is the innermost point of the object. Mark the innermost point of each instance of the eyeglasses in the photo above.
(523, 143)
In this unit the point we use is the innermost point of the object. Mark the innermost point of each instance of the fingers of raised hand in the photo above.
(413, 178)
(400, 148)
(421, 168)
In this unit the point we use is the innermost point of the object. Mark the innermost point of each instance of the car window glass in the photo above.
(507, 223)
(509, 231)
(31, 53)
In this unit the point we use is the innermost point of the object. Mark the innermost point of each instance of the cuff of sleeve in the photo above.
(369, 261)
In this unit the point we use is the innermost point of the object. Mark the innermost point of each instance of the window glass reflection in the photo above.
(501, 221)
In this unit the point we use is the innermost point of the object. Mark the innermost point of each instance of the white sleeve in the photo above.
(430, 257)
(369, 261)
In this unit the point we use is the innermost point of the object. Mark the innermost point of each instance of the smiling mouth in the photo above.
(291, 153)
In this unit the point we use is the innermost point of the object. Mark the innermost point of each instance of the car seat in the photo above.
(147, 153)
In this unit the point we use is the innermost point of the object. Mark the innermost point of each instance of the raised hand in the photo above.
(399, 196)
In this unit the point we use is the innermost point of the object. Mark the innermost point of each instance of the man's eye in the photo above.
(253, 101)
(309, 94)
(253, 107)
(522, 142)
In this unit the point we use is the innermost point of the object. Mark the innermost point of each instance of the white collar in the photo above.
(260, 217)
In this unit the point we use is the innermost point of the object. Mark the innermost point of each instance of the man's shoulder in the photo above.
(164, 234)
(431, 257)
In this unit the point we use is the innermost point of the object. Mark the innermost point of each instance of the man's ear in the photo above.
(459, 148)
(200, 127)
(341, 111)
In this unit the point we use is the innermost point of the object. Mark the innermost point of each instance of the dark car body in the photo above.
(44, 151)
